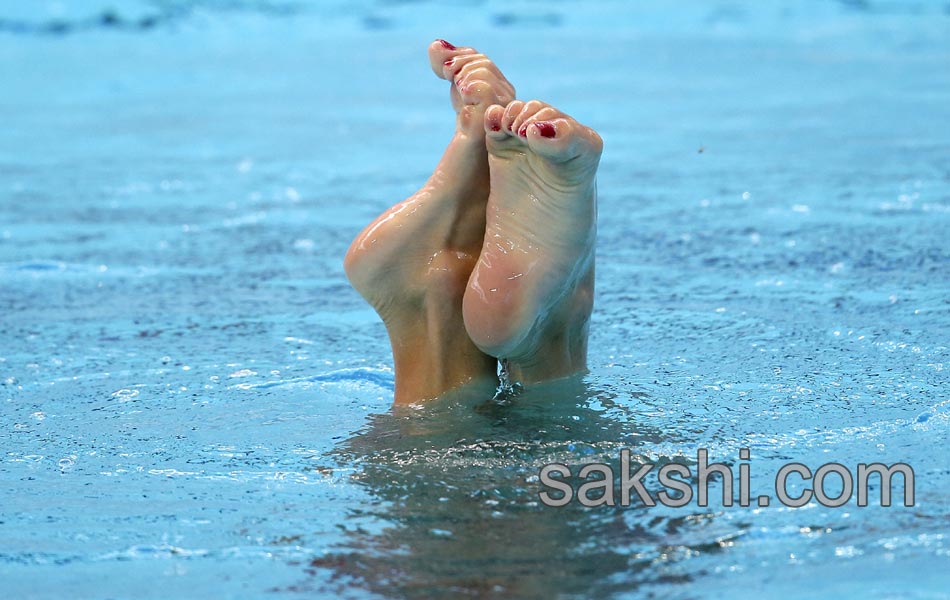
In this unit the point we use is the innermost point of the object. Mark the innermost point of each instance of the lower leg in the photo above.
(412, 264)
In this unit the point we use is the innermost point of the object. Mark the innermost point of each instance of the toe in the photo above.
(480, 85)
(562, 139)
(552, 138)
(545, 113)
(460, 65)
(493, 122)
(527, 112)
(512, 110)
(441, 51)
(457, 65)
(465, 70)
(476, 90)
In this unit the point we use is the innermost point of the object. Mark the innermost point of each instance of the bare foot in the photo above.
(413, 262)
(530, 295)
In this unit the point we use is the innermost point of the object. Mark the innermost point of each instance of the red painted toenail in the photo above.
(523, 132)
(449, 62)
(546, 130)
(495, 127)
(447, 45)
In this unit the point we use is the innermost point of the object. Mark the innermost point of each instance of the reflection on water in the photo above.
(459, 511)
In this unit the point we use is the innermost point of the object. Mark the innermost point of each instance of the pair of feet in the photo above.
(493, 258)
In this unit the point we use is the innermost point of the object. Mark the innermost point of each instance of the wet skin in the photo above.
(493, 257)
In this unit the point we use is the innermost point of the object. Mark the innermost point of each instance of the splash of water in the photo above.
(507, 390)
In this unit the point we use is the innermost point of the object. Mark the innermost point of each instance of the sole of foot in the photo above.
(530, 295)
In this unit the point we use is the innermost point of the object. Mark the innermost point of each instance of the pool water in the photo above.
(196, 404)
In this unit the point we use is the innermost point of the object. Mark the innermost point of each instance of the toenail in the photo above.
(495, 127)
(546, 130)
(449, 62)
(523, 132)
(447, 45)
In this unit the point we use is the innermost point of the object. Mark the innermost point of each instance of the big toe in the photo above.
(562, 139)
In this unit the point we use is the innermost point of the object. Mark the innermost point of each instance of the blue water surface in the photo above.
(196, 404)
